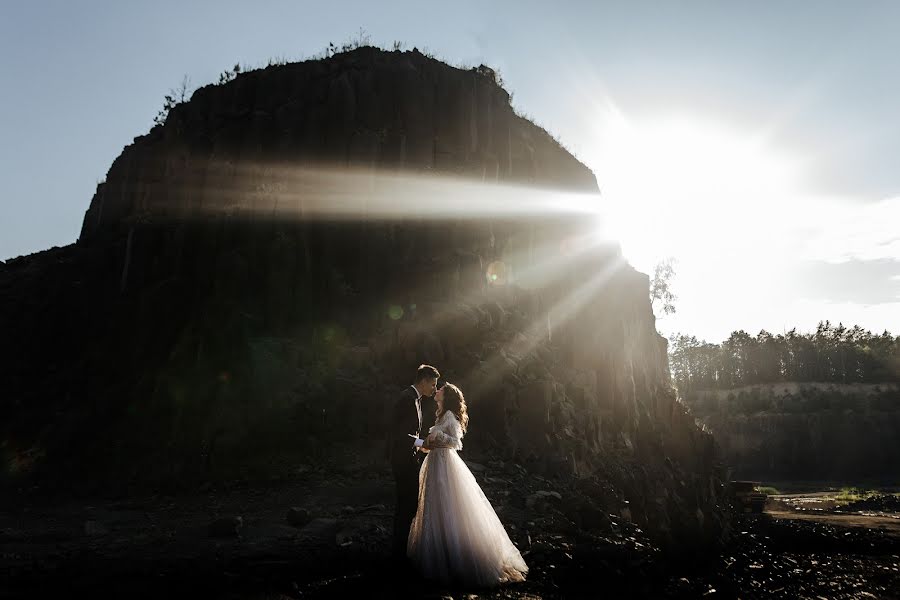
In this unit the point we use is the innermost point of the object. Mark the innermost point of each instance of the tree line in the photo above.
(835, 354)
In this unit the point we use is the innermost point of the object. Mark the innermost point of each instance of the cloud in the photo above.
(858, 281)
(844, 232)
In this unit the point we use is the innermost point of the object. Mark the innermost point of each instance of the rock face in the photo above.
(806, 431)
(211, 323)
(363, 110)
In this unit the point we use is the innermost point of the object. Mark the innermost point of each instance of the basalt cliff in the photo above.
(258, 277)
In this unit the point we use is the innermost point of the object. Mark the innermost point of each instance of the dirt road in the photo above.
(888, 524)
(826, 507)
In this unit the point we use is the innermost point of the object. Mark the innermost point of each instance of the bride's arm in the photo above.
(447, 436)
(439, 439)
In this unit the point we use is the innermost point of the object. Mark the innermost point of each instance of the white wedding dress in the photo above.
(456, 537)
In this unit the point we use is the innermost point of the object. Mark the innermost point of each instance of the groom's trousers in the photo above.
(406, 479)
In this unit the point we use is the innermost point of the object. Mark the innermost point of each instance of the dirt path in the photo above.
(819, 507)
(889, 524)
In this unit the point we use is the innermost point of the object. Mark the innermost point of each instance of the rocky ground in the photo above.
(326, 535)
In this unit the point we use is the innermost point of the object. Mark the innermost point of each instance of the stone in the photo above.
(595, 519)
(349, 535)
(95, 528)
(269, 531)
(543, 498)
(298, 517)
(320, 529)
(226, 527)
(475, 467)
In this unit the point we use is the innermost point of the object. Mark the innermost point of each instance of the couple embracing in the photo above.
(444, 525)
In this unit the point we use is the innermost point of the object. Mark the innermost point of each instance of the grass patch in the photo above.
(768, 489)
(852, 494)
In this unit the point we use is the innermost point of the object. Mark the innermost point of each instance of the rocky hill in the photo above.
(259, 276)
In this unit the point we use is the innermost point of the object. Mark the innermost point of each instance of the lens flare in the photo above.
(496, 273)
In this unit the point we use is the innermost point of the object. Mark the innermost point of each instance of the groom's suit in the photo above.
(406, 461)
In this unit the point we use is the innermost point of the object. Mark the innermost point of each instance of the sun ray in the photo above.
(333, 193)
(557, 261)
(542, 327)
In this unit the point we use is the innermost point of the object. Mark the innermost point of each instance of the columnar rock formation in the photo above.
(365, 110)
(220, 313)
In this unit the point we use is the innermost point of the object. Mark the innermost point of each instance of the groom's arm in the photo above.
(399, 424)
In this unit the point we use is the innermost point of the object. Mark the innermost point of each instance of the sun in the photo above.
(682, 185)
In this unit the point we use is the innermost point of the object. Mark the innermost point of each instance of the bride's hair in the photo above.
(455, 402)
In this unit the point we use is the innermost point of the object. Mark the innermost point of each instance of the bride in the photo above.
(456, 537)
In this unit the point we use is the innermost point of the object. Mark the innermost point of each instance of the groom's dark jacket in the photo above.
(404, 420)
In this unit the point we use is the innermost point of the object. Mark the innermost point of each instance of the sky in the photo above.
(755, 143)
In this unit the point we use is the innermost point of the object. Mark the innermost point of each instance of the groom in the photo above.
(413, 411)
